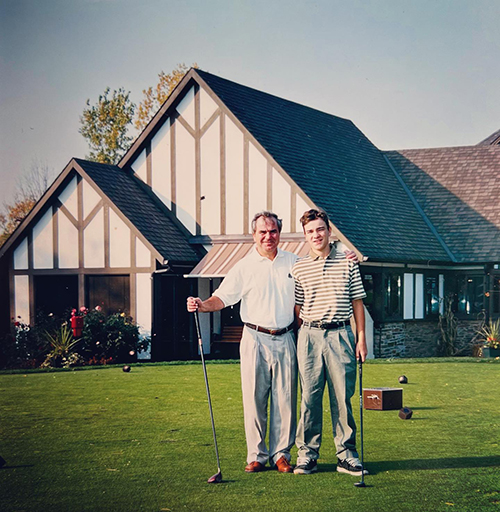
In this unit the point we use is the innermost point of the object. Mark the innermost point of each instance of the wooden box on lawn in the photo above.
(383, 399)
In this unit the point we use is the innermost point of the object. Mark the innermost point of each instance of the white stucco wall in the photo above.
(43, 250)
(93, 247)
(67, 242)
(119, 241)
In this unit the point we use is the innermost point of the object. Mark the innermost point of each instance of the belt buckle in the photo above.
(273, 332)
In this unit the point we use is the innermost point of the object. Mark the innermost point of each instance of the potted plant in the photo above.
(490, 336)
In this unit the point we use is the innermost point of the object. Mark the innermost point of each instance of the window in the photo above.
(56, 294)
(495, 295)
(432, 296)
(470, 296)
(372, 283)
(392, 295)
(112, 293)
(422, 295)
(396, 295)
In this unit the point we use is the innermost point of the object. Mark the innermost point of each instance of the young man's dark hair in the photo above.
(313, 214)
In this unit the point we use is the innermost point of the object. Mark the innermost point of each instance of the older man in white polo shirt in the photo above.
(263, 282)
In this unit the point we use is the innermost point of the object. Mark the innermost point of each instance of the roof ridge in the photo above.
(232, 82)
(420, 210)
(475, 147)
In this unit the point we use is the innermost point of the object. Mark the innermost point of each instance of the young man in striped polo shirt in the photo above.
(328, 291)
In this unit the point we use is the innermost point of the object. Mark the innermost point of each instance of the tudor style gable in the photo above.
(96, 236)
(208, 168)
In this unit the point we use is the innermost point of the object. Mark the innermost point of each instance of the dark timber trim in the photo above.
(93, 213)
(67, 213)
(293, 211)
(269, 199)
(197, 159)
(173, 163)
(55, 236)
(211, 120)
(222, 157)
(149, 164)
(246, 184)
(106, 237)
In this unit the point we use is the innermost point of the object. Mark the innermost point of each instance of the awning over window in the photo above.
(223, 256)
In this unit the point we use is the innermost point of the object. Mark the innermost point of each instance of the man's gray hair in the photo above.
(268, 215)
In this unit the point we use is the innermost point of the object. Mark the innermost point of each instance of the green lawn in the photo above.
(105, 440)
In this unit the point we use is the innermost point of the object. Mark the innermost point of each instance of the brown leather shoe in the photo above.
(283, 466)
(254, 467)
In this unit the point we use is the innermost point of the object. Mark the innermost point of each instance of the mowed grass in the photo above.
(105, 440)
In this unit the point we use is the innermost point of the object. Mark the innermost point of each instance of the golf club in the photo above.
(217, 478)
(362, 482)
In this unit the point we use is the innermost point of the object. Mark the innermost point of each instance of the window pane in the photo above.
(495, 295)
(462, 305)
(408, 304)
(392, 300)
(419, 295)
(112, 293)
(431, 296)
(476, 294)
(470, 294)
(375, 294)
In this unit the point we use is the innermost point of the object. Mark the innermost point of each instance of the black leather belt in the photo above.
(273, 332)
(327, 326)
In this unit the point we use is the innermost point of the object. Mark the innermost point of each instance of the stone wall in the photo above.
(389, 340)
(419, 338)
(467, 336)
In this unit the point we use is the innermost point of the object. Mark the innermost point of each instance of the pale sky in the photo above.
(409, 74)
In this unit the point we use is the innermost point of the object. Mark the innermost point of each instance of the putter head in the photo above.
(215, 479)
(359, 484)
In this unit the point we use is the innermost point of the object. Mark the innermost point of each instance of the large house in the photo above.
(174, 216)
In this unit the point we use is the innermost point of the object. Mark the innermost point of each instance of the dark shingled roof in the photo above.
(492, 140)
(339, 169)
(459, 190)
(148, 215)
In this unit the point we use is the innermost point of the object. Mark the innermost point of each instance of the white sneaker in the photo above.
(351, 466)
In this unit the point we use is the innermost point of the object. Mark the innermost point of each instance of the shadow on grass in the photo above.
(445, 463)
(15, 467)
(423, 464)
(424, 408)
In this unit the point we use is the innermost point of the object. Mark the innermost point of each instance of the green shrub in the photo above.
(114, 338)
(26, 346)
(105, 339)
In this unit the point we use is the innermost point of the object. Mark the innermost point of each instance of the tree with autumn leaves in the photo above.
(30, 187)
(106, 124)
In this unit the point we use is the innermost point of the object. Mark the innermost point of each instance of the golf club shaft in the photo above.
(200, 344)
(361, 417)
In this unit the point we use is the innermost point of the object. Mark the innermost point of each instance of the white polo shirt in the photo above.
(265, 288)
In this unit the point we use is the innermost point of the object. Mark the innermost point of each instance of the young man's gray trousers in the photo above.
(326, 357)
(269, 373)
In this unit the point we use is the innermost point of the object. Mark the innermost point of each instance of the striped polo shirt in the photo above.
(326, 287)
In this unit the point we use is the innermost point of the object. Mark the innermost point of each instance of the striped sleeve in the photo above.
(356, 290)
(299, 291)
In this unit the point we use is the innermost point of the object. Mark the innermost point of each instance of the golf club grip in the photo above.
(198, 330)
